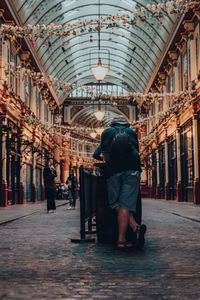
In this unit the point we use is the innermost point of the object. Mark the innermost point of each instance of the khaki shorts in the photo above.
(123, 189)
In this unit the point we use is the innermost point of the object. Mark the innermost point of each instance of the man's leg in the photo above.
(133, 224)
(74, 199)
(123, 221)
(70, 198)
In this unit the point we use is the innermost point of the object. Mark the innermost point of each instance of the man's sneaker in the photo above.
(69, 208)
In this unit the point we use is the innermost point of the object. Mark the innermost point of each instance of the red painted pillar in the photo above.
(43, 193)
(10, 192)
(150, 191)
(34, 192)
(21, 193)
(157, 192)
(178, 192)
(4, 193)
(63, 172)
(196, 191)
(166, 191)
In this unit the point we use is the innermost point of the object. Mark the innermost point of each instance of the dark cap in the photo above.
(121, 120)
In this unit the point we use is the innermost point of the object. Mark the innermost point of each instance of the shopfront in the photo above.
(199, 140)
(162, 171)
(38, 182)
(1, 132)
(187, 162)
(172, 169)
(154, 174)
(13, 163)
(27, 180)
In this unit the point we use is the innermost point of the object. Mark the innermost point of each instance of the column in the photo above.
(57, 158)
(150, 178)
(193, 59)
(21, 184)
(132, 113)
(166, 172)
(22, 81)
(4, 61)
(196, 185)
(66, 170)
(178, 150)
(43, 189)
(42, 110)
(156, 111)
(4, 187)
(165, 100)
(33, 177)
(146, 187)
(33, 100)
(158, 175)
(176, 80)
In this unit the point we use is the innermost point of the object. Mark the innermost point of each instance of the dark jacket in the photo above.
(49, 176)
(114, 164)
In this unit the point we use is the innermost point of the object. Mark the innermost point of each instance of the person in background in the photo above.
(50, 188)
(72, 183)
(5, 88)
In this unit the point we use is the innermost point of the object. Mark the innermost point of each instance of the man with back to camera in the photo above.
(120, 147)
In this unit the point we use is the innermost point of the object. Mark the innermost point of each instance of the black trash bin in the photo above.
(106, 218)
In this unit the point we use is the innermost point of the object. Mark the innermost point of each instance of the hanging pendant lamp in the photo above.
(99, 72)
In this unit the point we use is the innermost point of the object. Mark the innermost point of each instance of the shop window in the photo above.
(197, 53)
(27, 182)
(27, 90)
(162, 171)
(38, 108)
(185, 70)
(0, 56)
(189, 65)
(80, 147)
(187, 163)
(39, 183)
(189, 158)
(180, 80)
(12, 76)
(46, 113)
(172, 169)
(154, 173)
(88, 150)
(17, 78)
(74, 145)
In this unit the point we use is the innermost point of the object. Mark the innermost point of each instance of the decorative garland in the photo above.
(31, 119)
(164, 116)
(143, 100)
(158, 11)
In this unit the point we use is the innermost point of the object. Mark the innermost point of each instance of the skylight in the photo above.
(130, 3)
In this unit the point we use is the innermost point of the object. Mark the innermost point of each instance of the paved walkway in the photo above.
(38, 260)
(18, 211)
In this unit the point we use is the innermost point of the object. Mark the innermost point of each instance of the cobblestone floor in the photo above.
(38, 260)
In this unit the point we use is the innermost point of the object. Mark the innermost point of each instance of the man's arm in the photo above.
(97, 153)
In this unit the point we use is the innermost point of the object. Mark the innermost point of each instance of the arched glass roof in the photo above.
(131, 51)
